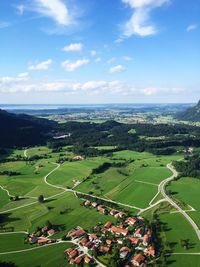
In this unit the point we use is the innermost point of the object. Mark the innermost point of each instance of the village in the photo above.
(128, 241)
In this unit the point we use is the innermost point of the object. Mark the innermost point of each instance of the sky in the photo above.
(99, 51)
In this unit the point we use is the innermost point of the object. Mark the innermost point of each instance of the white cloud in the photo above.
(139, 23)
(22, 83)
(127, 58)
(74, 47)
(192, 27)
(93, 53)
(23, 75)
(4, 24)
(117, 69)
(69, 65)
(55, 9)
(44, 65)
(20, 9)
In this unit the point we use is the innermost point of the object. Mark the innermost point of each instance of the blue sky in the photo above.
(99, 51)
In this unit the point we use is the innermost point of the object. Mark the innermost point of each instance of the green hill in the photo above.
(191, 114)
(23, 130)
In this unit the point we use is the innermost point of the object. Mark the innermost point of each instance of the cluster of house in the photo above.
(43, 238)
(103, 209)
(130, 236)
(77, 258)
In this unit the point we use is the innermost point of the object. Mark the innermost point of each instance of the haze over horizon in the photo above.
(98, 51)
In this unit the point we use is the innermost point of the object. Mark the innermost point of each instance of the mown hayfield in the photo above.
(39, 151)
(50, 256)
(187, 190)
(176, 228)
(4, 199)
(30, 181)
(76, 170)
(184, 260)
(12, 242)
(135, 184)
(29, 218)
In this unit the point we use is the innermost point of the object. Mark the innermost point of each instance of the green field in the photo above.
(29, 218)
(50, 256)
(12, 242)
(187, 190)
(30, 181)
(135, 184)
(175, 228)
(184, 260)
(77, 170)
(4, 199)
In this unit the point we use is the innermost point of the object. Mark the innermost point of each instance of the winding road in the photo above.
(161, 189)
(173, 203)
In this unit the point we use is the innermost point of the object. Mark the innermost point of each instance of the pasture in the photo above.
(135, 184)
(187, 190)
(50, 256)
(36, 215)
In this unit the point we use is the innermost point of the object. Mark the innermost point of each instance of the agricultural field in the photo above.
(187, 190)
(134, 183)
(36, 215)
(49, 256)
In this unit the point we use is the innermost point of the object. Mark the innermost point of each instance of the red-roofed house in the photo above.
(146, 240)
(78, 233)
(119, 231)
(87, 259)
(134, 240)
(131, 221)
(139, 232)
(108, 225)
(138, 259)
(124, 252)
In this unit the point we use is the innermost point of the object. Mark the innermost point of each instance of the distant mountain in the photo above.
(23, 130)
(191, 114)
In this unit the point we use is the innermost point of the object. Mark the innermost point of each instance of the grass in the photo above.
(76, 170)
(135, 184)
(184, 260)
(50, 256)
(175, 228)
(4, 198)
(36, 215)
(30, 181)
(187, 190)
(12, 242)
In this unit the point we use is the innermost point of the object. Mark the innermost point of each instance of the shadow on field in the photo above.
(4, 220)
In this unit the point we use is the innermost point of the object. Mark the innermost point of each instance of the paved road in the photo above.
(174, 204)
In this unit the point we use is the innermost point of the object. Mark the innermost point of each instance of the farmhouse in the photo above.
(124, 252)
(108, 225)
(77, 233)
(138, 259)
(51, 232)
(101, 208)
(78, 158)
(87, 259)
(119, 231)
(104, 249)
(113, 212)
(134, 240)
(131, 221)
(94, 204)
(150, 251)
(146, 240)
(139, 232)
